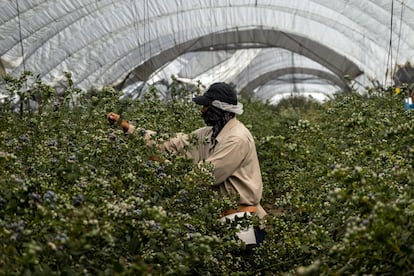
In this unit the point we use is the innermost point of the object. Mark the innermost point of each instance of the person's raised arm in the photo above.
(176, 144)
(127, 127)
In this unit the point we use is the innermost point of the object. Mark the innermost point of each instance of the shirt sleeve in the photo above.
(227, 158)
(175, 144)
(180, 143)
(146, 134)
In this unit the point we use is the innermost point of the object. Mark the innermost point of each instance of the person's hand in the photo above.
(112, 117)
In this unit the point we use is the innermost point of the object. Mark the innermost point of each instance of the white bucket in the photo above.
(247, 234)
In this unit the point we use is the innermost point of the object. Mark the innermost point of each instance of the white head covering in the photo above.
(237, 109)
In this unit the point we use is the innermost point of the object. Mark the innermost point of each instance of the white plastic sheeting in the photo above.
(124, 41)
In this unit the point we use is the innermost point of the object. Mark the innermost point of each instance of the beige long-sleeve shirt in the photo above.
(234, 157)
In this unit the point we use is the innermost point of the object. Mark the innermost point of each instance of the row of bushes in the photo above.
(79, 197)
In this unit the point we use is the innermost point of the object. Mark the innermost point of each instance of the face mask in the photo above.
(216, 118)
(212, 116)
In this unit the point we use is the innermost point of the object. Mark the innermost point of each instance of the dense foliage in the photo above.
(80, 197)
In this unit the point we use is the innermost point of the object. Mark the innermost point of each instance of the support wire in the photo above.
(20, 35)
(399, 37)
(389, 57)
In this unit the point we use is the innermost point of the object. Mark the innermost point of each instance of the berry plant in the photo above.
(80, 197)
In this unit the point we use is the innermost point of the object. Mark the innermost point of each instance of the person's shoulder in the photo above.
(239, 126)
(237, 129)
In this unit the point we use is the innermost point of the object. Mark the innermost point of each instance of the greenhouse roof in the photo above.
(266, 48)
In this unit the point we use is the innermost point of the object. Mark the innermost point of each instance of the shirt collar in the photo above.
(232, 122)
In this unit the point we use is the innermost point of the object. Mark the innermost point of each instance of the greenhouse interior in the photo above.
(327, 88)
(266, 48)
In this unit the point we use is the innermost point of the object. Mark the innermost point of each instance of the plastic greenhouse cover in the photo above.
(241, 41)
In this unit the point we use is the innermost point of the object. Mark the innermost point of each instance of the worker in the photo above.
(226, 144)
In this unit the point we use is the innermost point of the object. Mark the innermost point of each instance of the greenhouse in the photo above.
(95, 94)
(266, 48)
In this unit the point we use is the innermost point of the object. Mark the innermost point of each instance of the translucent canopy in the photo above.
(265, 47)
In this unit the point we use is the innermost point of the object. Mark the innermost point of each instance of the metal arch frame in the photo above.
(264, 38)
(247, 90)
(267, 91)
(357, 20)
